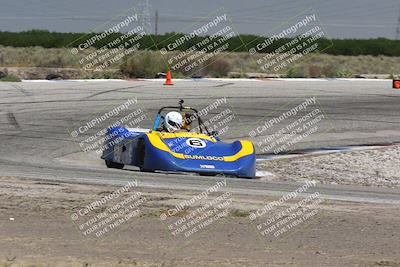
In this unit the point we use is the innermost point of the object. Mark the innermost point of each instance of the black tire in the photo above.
(207, 174)
(141, 154)
(114, 165)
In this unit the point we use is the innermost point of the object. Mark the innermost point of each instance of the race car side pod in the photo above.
(169, 79)
(396, 84)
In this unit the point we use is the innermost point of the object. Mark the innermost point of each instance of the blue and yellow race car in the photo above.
(198, 151)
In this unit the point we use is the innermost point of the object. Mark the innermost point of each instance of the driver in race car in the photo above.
(174, 122)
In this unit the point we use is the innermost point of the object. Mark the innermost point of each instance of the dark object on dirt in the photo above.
(54, 77)
(360, 76)
(160, 75)
(2, 74)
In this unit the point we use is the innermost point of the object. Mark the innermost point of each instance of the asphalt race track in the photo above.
(37, 118)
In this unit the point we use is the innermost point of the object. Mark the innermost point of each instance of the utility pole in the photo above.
(156, 24)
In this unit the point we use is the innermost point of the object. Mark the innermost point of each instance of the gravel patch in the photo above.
(379, 167)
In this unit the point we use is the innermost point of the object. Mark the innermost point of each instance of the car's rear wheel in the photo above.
(114, 165)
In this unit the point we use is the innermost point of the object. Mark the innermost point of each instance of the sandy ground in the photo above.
(378, 167)
(37, 230)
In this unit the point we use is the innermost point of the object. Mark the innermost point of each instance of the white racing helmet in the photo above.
(173, 121)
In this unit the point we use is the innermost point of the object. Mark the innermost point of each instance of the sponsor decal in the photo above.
(204, 157)
(204, 166)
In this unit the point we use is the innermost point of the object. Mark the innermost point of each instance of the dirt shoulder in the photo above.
(377, 167)
(37, 229)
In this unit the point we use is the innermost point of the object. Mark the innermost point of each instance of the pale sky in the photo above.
(341, 18)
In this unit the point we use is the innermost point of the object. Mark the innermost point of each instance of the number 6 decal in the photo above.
(195, 142)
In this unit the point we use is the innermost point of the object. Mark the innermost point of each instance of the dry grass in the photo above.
(37, 57)
(10, 78)
(148, 63)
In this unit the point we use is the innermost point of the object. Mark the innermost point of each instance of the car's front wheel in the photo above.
(141, 156)
(114, 165)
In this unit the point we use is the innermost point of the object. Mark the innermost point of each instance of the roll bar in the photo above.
(181, 108)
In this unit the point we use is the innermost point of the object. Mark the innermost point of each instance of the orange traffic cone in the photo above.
(396, 84)
(169, 78)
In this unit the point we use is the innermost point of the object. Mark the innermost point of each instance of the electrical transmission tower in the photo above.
(144, 9)
(398, 27)
(156, 23)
